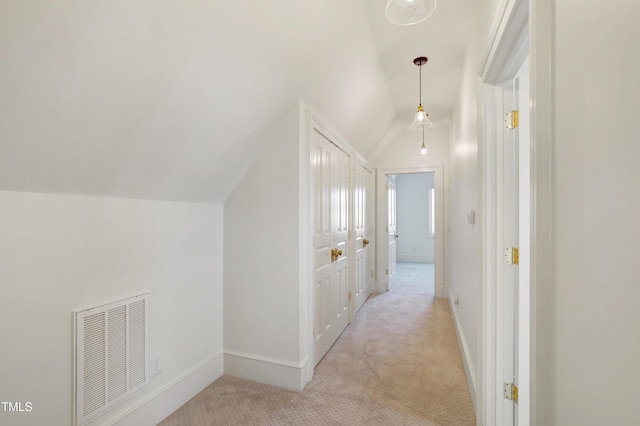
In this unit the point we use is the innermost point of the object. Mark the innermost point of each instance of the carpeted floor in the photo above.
(398, 363)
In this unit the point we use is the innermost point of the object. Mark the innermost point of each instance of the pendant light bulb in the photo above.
(423, 148)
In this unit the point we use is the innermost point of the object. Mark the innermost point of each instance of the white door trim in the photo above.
(508, 47)
(441, 225)
(541, 21)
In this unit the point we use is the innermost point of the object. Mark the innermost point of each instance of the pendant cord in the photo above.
(420, 70)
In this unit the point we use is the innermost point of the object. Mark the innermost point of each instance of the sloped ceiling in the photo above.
(159, 99)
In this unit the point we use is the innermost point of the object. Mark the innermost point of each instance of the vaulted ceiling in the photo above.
(159, 99)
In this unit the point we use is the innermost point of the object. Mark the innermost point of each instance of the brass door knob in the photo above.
(335, 254)
(365, 242)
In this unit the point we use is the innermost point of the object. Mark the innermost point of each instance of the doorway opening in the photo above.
(410, 224)
(415, 229)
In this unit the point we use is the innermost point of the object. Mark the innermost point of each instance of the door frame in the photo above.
(441, 287)
(507, 51)
(519, 27)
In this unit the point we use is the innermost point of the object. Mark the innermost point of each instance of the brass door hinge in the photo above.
(511, 255)
(510, 392)
(387, 271)
(349, 296)
(512, 119)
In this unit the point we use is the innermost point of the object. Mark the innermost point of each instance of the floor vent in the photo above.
(111, 355)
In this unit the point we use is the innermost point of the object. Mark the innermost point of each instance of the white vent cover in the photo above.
(111, 355)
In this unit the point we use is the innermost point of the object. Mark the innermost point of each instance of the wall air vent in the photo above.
(111, 357)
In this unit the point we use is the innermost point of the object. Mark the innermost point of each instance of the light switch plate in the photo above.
(471, 217)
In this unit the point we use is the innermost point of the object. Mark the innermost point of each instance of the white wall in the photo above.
(63, 252)
(412, 210)
(465, 238)
(262, 265)
(464, 275)
(158, 99)
(596, 209)
(401, 147)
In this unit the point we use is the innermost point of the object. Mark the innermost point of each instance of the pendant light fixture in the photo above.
(409, 12)
(423, 148)
(421, 120)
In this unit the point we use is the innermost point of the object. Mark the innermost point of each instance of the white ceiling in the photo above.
(160, 99)
(442, 38)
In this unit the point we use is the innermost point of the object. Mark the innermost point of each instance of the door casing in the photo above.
(507, 51)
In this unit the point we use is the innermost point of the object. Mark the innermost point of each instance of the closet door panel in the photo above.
(331, 231)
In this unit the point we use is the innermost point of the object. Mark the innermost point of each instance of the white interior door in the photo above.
(523, 316)
(391, 231)
(370, 226)
(515, 230)
(331, 263)
(340, 208)
(363, 225)
(506, 222)
(508, 274)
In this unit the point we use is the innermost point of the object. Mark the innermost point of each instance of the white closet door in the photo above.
(370, 225)
(363, 227)
(331, 219)
(339, 296)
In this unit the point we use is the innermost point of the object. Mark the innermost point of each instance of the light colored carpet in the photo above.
(398, 363)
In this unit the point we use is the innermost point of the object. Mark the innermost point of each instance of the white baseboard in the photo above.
(268, 371)
(469, 369)
(161, 403)
(414, 259)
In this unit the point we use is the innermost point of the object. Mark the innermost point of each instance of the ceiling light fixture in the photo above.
(423, 148)
(421, 120)
(409, 12)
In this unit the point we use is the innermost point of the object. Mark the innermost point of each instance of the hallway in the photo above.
(397, 363)
(420, 275)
